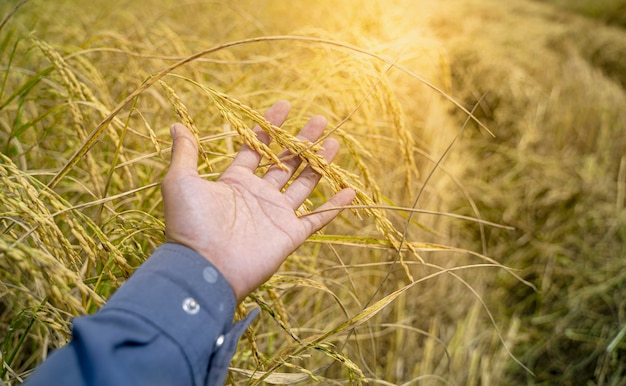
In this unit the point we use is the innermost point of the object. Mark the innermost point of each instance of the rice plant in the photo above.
(411, 285)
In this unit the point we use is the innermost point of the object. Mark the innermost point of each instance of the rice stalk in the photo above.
(99, 130)
(373, 309)
(76, 92)
(12, 12)
(405, 138)
(183, 113)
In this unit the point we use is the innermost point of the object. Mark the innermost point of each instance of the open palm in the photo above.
(244, 224)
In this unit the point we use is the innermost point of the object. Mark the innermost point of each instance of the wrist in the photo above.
(216, 273)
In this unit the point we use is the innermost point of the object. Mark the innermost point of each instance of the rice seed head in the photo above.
(183, 113)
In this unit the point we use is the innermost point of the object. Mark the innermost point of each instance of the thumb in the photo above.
(184, 151)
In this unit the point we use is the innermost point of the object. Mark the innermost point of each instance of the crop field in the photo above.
(486, 141)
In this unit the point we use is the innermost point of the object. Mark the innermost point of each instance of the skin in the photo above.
(243, 223)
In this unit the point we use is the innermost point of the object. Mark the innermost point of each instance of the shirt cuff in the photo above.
(189, 300)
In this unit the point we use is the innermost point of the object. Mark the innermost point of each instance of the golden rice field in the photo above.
(486, 140)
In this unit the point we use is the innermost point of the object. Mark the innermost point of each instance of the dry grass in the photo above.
(609, 11)
(556, 173)
(389, 293)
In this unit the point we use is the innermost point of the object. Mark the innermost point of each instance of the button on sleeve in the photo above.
(191, 306)
(188, 299)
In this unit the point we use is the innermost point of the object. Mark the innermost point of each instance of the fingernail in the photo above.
(173, 131)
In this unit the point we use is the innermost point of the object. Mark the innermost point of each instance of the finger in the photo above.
(309, 133)
(184, 151)
(302, 186)
(317, 221)
(276, 115)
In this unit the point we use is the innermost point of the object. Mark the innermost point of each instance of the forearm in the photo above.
(167, 325)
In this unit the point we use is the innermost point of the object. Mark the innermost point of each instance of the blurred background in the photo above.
(486, 138)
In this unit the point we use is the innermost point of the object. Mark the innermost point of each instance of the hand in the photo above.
(243, 223)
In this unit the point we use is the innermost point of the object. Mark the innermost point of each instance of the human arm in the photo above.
(225, 238)
(169, 324)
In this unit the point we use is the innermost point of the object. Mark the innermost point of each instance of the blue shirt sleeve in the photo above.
(169, 324)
